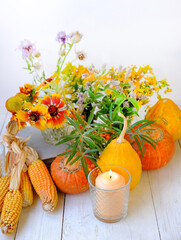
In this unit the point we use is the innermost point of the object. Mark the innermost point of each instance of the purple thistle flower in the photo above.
(88, 84)
(61, 37)
(80, 97)
(27, 48)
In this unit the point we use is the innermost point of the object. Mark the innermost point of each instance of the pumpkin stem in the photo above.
(121, 137)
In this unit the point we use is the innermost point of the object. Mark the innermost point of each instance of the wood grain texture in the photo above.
(35, 224)
(140, 223)
(3, 121)
(166, 190)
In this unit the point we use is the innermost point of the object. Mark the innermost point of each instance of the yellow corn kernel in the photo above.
(26, 189)
(4, 187)
(11, 211)
(43, 185)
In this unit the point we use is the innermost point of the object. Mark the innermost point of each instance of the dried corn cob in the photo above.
(43, 185)
(11, 211)
(4, 187)
(26, 189)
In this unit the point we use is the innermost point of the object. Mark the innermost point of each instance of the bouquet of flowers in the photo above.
(84, 98)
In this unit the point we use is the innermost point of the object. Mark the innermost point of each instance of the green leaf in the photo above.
(139, 122)
(98, 138)
(110, 111)
(73, 123)
(75, 160)
(67, 139)
(74, 150)
(144, 125)
(139, 146)
(142, 144)
(91, 143)
(134, 102)
(92, 160)
(91, 94)
(85, 167)
(147, 140)
(91, 115)
(120, 99)
(64, 153)
(104, 119)
(91, 130)
(91, 150)
(80, 119)
(98, 96)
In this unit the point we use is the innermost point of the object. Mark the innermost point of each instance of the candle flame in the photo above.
(110, 173)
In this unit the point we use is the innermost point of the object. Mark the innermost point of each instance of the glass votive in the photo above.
(109, 205)
(2, 157)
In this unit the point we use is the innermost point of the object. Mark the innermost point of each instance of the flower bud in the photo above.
(37, 65)
(76, 37)
(81, 55)
(37, 54)
(62, 52)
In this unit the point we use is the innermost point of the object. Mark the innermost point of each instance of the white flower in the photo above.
(62, 52)
(120, 68)
(37, 65)
(76, 37)
(115, 83)
(128, 73)
(81, 55)
(37, 54)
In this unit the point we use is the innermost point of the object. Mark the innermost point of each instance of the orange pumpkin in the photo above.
(163, 152)
(70, 178)
(168, 115)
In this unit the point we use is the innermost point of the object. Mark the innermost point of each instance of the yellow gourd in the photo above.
(120, 152)
(168, 115)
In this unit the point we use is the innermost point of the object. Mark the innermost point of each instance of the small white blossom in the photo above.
(81, 55)
(62, 52)
(37, 54)
(120, 68)
(37, 66)
(76, 37)
(128, 73)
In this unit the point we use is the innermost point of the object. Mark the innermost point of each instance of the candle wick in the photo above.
(110, 176)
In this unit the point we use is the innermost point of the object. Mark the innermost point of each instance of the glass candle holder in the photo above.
(109, 205)
(2, 158)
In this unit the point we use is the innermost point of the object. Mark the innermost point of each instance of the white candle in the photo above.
(110, 180)
(110, 204)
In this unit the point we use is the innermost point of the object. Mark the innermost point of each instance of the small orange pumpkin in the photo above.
(70, 178)
(168, 115)
(163, 152)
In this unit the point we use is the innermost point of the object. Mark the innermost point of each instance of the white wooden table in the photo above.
(154, 210)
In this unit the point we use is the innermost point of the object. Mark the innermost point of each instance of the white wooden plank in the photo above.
(166, 189)
(35, 224)
(3, 120)
(140, 223)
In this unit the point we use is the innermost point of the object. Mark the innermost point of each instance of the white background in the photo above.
(115, 32)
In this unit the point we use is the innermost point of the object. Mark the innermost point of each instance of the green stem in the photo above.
(65, 57)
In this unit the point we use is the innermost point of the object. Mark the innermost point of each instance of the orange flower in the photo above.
(45, 84)
(27, 89)
(56, 110)
(20, 123)
(35, 115)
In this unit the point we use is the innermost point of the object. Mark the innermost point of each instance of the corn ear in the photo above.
(11, 210)
(26, 189)
(43, 185)
(4, 187)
